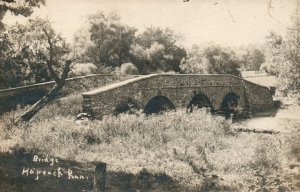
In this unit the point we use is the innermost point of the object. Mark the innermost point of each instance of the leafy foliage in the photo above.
(80, 69)
(252, 60)
(110, 40)
(275, 55)
(25, 51)
(155, 50)
(221, 61)
(129, 68)
(289, 75)
(18, 7)
(108, 43)
(193, 63)
(21, 7)
(284, 56)
(211, 60)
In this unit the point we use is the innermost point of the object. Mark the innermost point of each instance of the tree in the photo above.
(275, 54)
(81, 42)
(252, 59)
(56, 59)
(284, 56)
(18, 7)
(5, 45)
(221, 61)
(155, 50)
(110, 41)
(193, 63)
(257, 59)
(289, 75)
(26, 54)
(212, 60)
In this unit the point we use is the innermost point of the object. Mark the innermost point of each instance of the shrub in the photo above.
(128, 69)
(80, 69)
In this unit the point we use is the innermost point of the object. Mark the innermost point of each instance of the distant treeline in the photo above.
(106, 45)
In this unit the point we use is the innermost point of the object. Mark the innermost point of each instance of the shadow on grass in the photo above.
(14, 177)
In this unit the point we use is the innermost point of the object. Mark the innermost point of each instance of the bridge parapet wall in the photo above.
(102, 101)
(260, 97)
(10, 98)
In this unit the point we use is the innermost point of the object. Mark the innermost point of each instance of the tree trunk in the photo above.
(40, 104)
(2, 14)
(59, 82)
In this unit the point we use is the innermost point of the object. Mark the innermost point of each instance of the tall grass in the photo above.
(175, 143)
(198, 150)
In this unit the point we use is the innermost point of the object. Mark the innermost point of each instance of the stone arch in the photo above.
(127, 105)
(229, 104)
(158, 104)
(199, 101)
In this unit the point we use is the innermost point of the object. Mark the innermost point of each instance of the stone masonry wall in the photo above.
(260, 97)
(10, 98)
(178, 88)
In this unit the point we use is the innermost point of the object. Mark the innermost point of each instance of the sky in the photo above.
(225, 22)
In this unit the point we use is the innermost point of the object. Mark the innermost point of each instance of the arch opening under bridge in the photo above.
(200, 101)
(158, 104)
(229, 104)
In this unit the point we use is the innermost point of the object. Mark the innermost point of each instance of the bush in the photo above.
(269, 68)
(80, 69)
(128, 69)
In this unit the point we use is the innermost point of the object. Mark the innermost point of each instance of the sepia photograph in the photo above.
(142, 96)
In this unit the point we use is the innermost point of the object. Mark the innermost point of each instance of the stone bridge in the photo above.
(156, 92)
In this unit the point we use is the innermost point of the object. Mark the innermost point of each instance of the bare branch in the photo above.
(74, 62)
(270, 14)
(229, 12)
(269, 8)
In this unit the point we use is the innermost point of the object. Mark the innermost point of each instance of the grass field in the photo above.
(199, 151)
